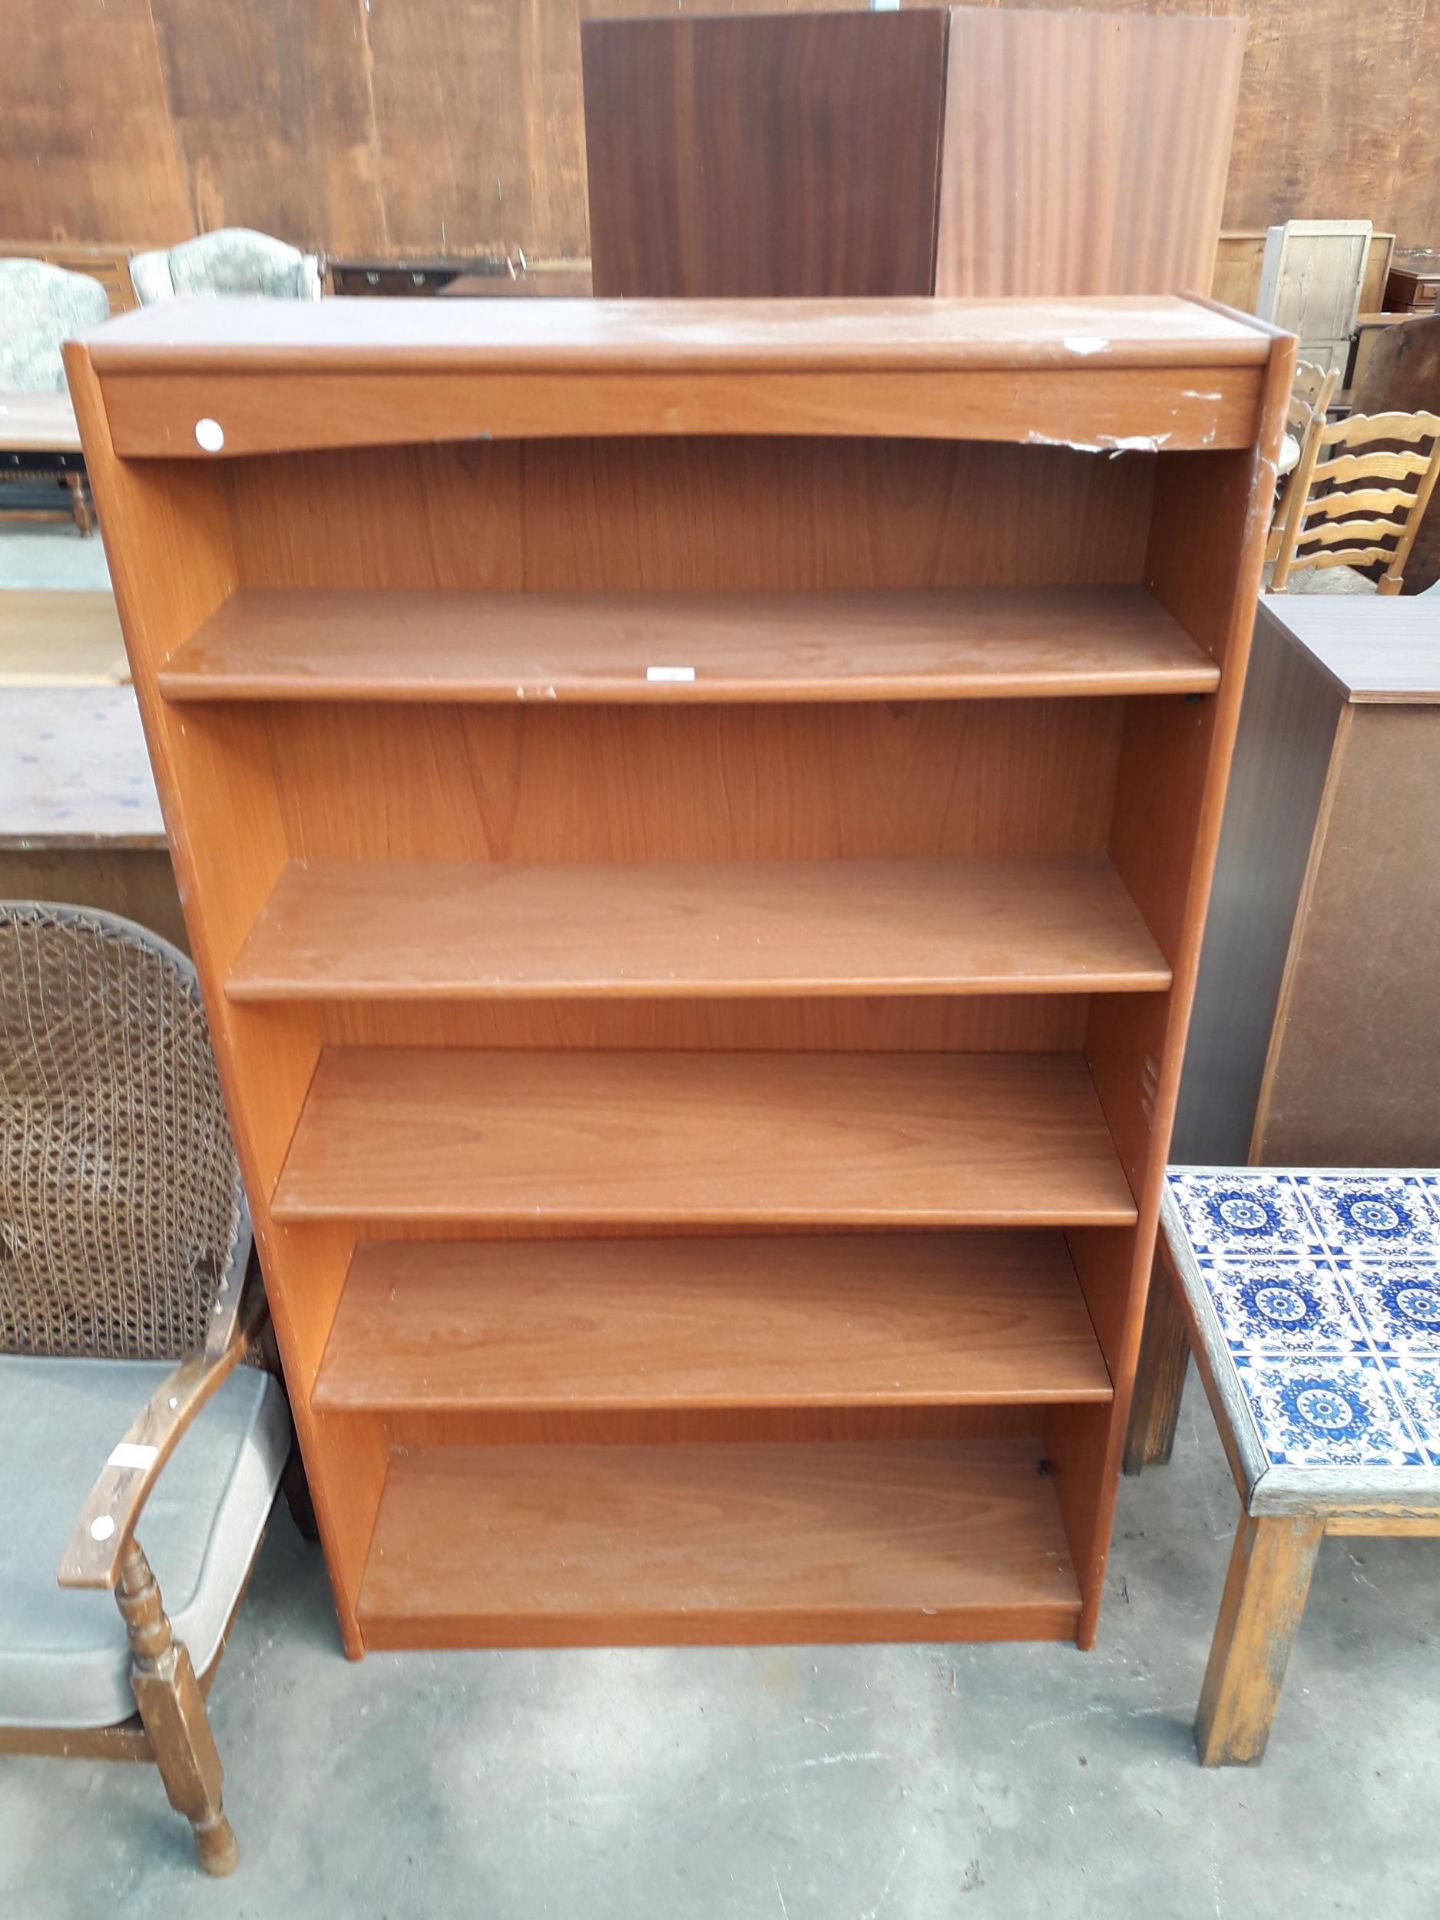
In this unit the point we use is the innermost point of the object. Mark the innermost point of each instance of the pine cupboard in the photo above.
(694, 822)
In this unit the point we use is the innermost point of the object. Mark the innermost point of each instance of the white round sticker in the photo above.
(210, 434)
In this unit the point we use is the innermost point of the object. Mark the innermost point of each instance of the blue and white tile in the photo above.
(1239, 1211)
(1332, 1410)
(1416, 1385)
(1280, 1305)
(1371, 1213)
(1430, 1187)
(1397, 1300)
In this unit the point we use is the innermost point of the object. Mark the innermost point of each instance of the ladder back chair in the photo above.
(1335, 514)
(126, 1307)
(1307, 411)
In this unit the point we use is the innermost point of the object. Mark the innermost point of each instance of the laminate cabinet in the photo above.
(1316, 1032)
(950, 150)
(694, 822)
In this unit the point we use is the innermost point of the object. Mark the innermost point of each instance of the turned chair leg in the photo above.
(173, 1711)
(1159, 1379)
(1270, 1569)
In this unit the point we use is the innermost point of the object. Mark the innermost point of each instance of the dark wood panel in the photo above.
(1282, 753)
(761, 156)
(571, 1326)
(1084, 153)
(456, 126)
(1353, 1077)
(273, 117)
(88, 150)
(712, 1138)
(615, 1546)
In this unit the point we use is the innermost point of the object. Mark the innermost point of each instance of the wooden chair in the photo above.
(124, 1246)
(1310, 397)
(1333, 514)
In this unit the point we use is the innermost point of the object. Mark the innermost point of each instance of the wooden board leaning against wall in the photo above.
(439, 128)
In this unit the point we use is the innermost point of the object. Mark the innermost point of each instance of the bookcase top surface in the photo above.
(553, 335)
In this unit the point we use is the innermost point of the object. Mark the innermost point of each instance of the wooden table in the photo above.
(38, 439)
(1315, 1036)
(79, 816)
(1312, 1299)
(53, 638)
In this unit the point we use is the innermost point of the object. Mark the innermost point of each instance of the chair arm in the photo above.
(111, 1513)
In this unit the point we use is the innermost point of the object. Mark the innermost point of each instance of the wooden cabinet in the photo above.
(1316, 1039)
(950, 150)
(694, 823)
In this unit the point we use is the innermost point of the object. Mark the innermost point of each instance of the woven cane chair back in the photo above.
(121, 1208)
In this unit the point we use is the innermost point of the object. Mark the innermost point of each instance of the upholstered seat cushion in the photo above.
(63, 1655)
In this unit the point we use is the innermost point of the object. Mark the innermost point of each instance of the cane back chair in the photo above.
(124, 1249)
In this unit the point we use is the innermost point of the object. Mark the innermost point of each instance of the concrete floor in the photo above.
(832, 1783)
(826, 1783)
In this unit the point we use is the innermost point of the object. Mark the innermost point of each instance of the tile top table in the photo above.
(1314, 1299)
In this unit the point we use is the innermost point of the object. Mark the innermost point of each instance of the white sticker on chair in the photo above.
(127, 1454)
(210, 435)
(102, 1528)
(669, 673)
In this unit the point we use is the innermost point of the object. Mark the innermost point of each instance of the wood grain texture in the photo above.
(1352, 1073)
(1101, 411)
(617, 1546)
(1084, 153)
(994, 1140)
(685, 336)
(996, 643)
(172, 562)
(451, 931)
(1371, 656)
(1110, 375)
(457, 126)
(1169, 801)
(1265, 1592)
(572, 1326)
(705, 1114)
(704, 515)
(780, 155)
(1278, 773)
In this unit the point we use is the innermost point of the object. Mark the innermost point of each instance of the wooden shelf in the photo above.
(977, 643)
(855, 1320)
(846, 1139)
(623, 1545)
(472, 930)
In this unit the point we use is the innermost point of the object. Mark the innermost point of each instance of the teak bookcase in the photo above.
(694, 822)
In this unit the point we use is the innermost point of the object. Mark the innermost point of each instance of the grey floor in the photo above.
(795, 1783)
(831, 1783)
(51, 556)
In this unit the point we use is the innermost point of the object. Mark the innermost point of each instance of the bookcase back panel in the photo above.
(631, 515)
(1014, 1023)
(863, 781)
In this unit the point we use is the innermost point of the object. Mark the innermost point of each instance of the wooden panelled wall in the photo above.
(384, 126)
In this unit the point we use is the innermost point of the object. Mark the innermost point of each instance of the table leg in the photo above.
(1160, 1377)
(1265, 1591)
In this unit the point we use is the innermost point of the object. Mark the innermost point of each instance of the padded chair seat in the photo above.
(64, 1661)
